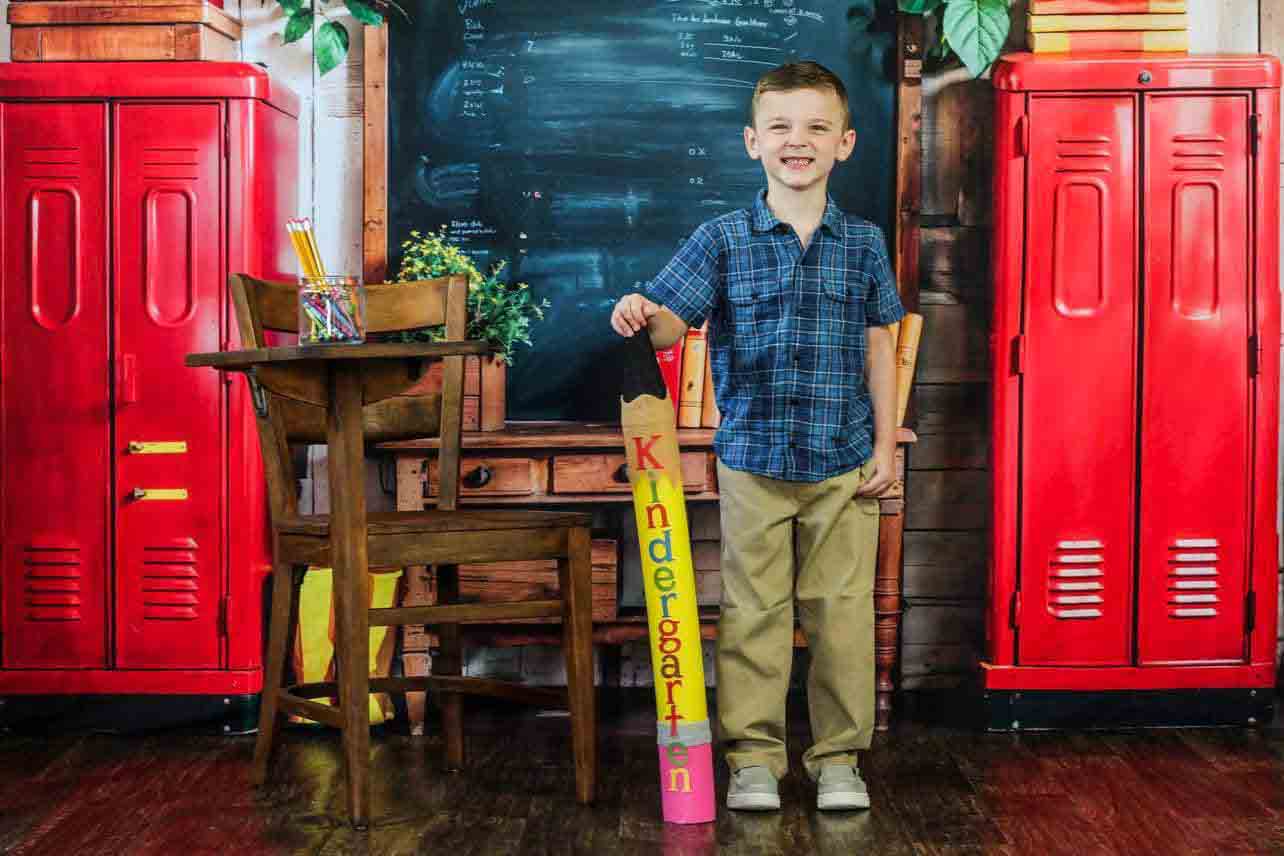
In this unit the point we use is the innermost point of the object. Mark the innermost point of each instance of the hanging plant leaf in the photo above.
(299, 25)
(290, 6)
(919, 7)
(331, 42)
(976, 30)
(363, 12)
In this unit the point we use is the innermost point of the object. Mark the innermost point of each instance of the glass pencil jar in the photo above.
(332, 310)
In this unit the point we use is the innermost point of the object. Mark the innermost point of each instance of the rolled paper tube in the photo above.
(906, 358)
(682, 716)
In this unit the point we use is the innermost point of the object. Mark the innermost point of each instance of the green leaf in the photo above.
(331, 43)
(976, 30)
(363, 12)
(290, 6)
(299, 25)
(919, 7)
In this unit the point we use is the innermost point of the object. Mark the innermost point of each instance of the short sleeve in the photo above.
(688, 283)
(882, 302)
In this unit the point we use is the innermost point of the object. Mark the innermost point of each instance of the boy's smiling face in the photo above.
(799, 135)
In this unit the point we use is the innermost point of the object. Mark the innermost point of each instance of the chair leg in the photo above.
(274, 675)
(450, 661)
(576, 580)
(352, 670)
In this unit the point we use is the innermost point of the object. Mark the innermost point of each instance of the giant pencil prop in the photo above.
(682, 717)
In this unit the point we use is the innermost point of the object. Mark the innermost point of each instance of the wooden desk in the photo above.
(564, 463)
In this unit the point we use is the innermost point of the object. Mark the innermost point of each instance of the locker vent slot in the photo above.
(1083, 154)
(1077, 584)
(1192, 578)
(168, 161)
(170, 581)
(52, 582)
(1198, 153)
(51, 162)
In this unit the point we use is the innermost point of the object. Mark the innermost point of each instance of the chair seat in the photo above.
(423, 522)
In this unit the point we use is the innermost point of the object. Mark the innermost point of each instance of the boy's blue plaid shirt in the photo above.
(786, 335)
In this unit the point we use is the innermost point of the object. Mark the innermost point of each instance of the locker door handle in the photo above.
(128, 379)
(153, 494)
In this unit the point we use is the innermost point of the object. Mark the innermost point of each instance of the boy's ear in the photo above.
(846, 145)
(751, 142)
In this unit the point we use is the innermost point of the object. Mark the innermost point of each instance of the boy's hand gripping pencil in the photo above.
(682, 720)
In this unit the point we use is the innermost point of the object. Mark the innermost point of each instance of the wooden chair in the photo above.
(444, 537)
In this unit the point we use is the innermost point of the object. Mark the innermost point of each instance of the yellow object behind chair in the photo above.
(314, 644)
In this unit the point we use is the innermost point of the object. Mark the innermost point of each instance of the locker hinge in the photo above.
(224, 606)
(227, 139)
(1023, 136)
(1014, 610)
(1254, 133)
(1254, 355)
(1250, 612)
(1018, 354)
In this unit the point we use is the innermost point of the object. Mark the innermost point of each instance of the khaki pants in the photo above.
(837, 542)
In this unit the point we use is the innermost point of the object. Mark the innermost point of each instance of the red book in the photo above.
(670, 360)
(1106, 7)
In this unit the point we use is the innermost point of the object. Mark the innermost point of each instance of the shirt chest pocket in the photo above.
(844, 297)
(754, 312)
(755, 298)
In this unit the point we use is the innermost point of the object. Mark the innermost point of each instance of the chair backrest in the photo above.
(264, 305)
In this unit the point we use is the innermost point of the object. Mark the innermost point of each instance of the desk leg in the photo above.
(351, 581)
(887, 612)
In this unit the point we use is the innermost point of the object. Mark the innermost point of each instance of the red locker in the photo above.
(132, 512)
(1136, 344)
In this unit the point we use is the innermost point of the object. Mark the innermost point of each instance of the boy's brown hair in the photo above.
(800, 75)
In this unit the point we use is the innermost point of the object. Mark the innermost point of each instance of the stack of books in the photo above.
(689, 380)
(1060, 26)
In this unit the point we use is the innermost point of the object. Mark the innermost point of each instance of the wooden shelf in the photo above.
(570, 435)
(544, 435)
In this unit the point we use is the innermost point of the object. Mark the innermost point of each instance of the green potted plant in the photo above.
(330, 37)
(972, 30)
(499, 312)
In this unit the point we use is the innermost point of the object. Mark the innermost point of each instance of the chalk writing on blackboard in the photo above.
(583, 141)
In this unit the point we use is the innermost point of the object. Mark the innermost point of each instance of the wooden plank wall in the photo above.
(945, 542)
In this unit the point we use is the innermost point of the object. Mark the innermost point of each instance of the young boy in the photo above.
(799, 297)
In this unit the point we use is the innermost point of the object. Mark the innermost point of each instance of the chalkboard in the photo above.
(583, 140)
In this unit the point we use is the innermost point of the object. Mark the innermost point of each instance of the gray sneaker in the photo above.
(841, 789)
(753, 789)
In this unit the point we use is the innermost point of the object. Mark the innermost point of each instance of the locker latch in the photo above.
(1018, 354)
(162, 494)
(1250, 611)
(157, 447)
(224, 607)
(1023, 135)
(1254, 355)
(1254, 133)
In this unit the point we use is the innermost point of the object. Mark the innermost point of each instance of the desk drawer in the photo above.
(490, 476)
(579, 473)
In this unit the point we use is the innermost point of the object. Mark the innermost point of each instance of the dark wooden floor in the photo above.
(935, 789)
